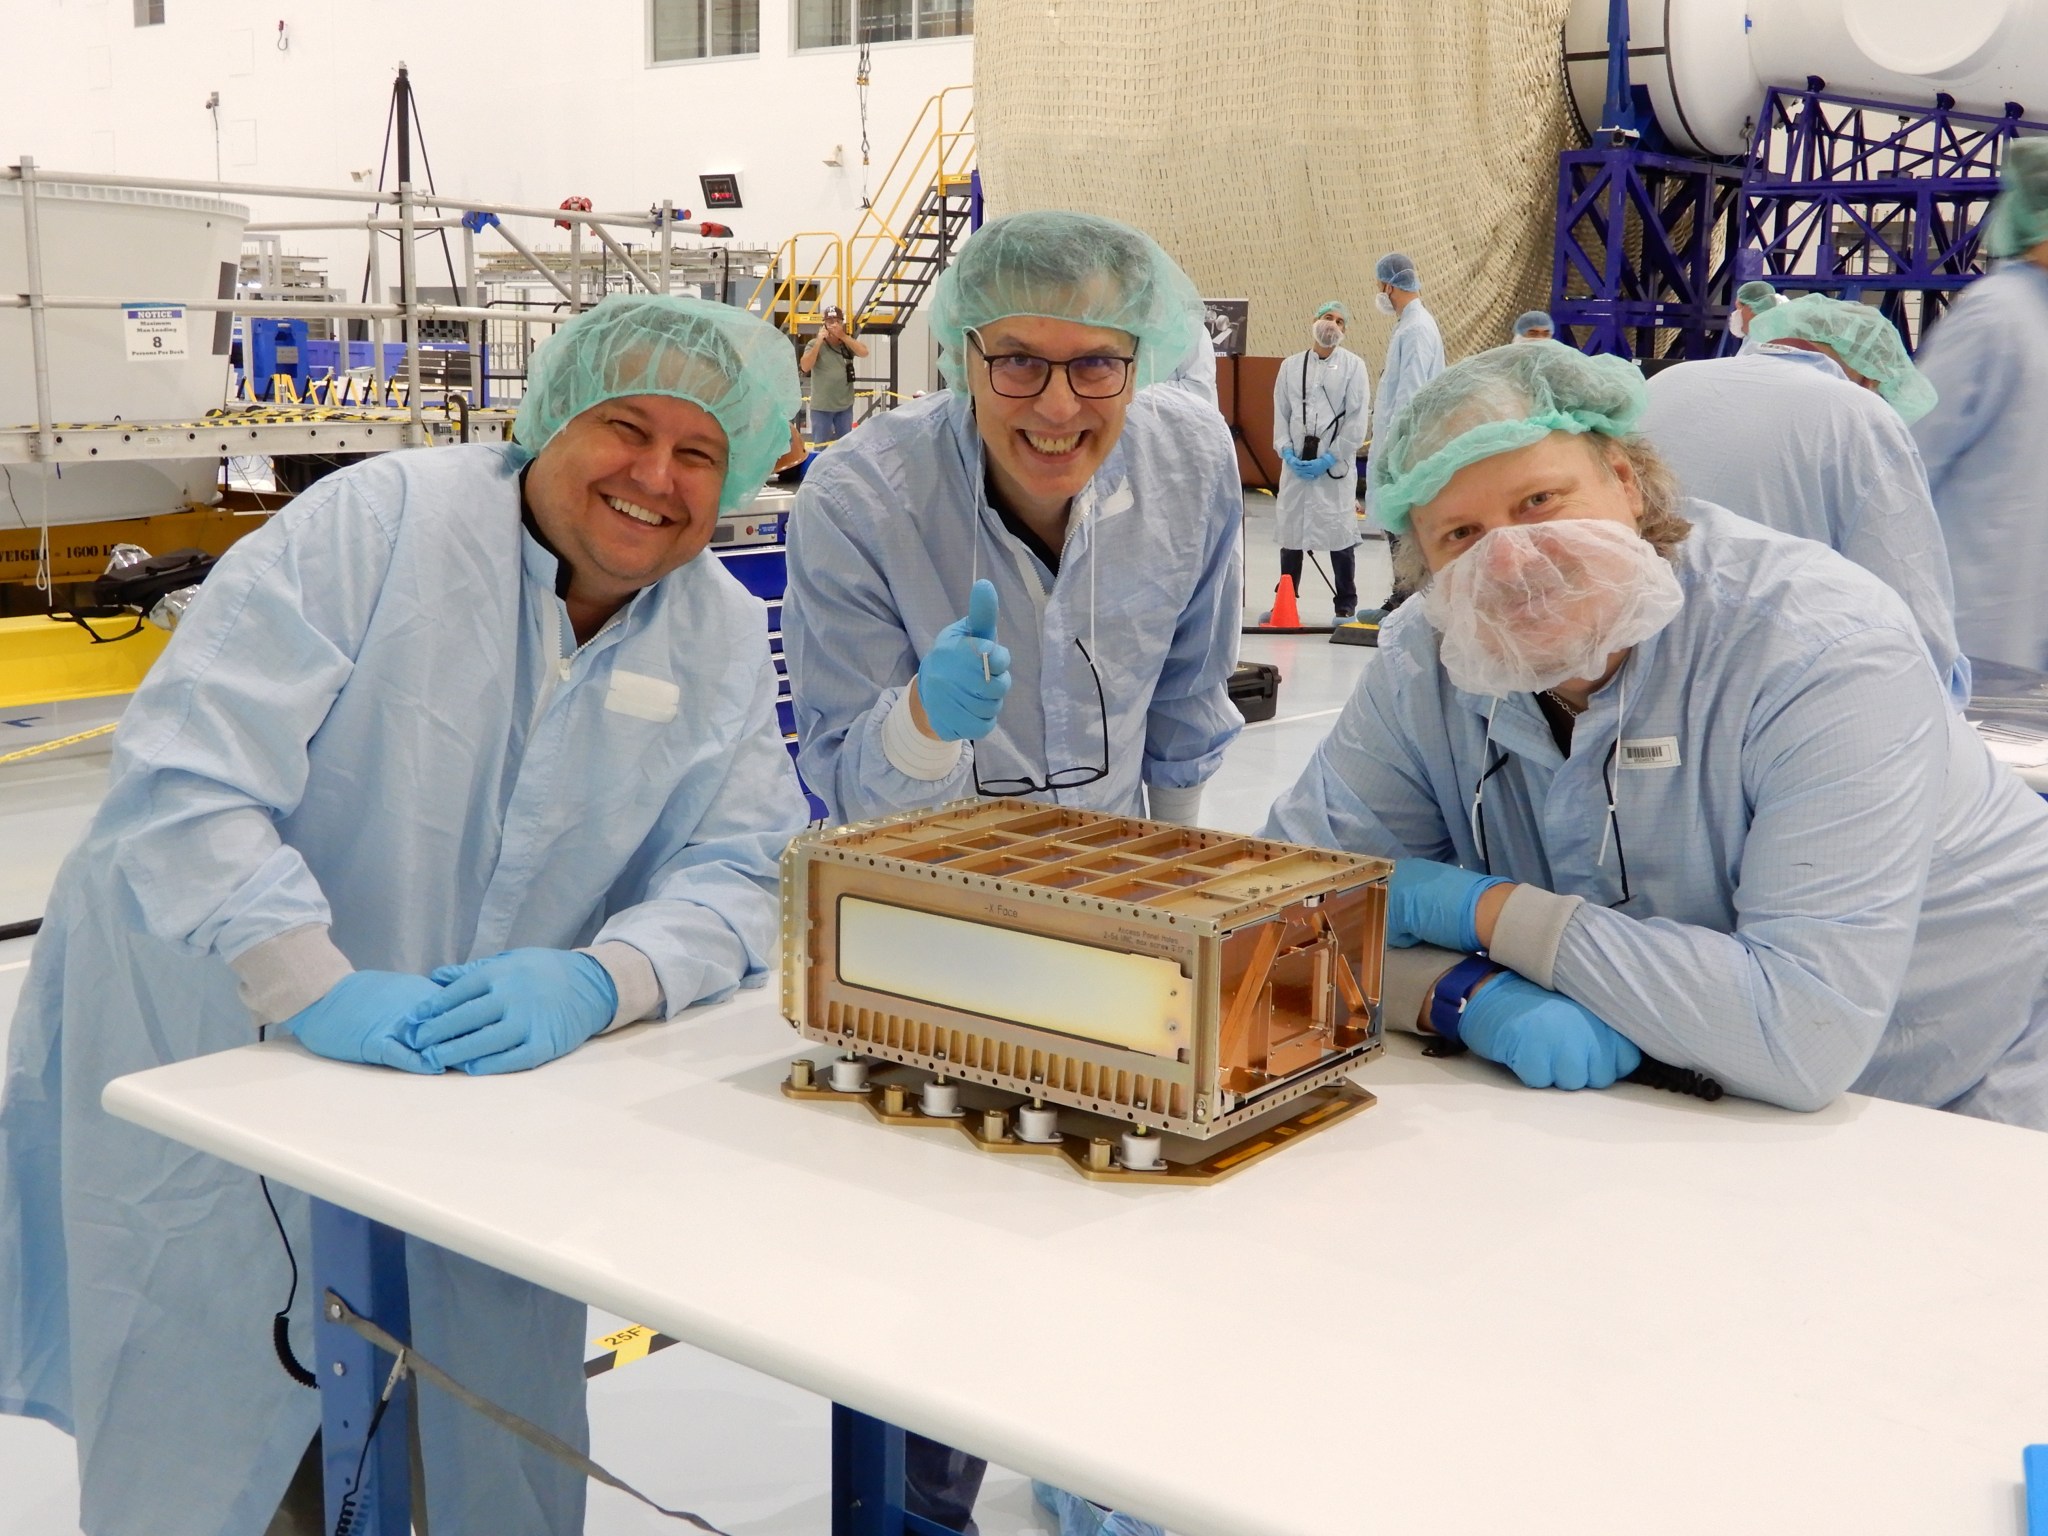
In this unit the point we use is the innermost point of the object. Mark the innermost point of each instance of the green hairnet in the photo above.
(1758, 295)
(2019, 218)
(1496, 402)
(1861, 337)
(1334, 307)
(1067, 266)
(739, 368)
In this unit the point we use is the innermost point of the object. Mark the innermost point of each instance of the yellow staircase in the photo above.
(881, 272)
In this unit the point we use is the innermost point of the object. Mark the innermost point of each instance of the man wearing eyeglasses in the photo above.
(1028, 584)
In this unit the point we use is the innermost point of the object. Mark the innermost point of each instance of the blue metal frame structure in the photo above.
(363, 1262)
(1642, 266)
(1849, 196)
(1642, 261)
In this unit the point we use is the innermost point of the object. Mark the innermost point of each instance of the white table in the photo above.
(1472, 1309)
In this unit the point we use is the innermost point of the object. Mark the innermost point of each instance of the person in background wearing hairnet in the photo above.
(1319, 424)
(462, 758)
(1028, 584)
(1415, 355)
(1986, 442)
(1535, 325)
(1751, 300)
(1782, 435)
(1662, 781)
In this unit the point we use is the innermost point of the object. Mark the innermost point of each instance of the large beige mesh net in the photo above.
(1278, 147)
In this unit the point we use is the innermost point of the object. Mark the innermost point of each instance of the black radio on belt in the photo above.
(1311, 445)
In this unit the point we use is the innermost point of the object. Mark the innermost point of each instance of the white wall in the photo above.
(520, 101)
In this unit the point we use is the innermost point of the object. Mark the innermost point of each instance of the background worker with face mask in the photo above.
(1751, 300)
(1691, 784)
(1415, 355)
(1319, 423)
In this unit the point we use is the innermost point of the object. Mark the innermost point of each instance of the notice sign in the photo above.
(156, 332)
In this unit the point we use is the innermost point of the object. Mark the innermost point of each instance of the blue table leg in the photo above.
(2035, 1461)
(363, 1262)
(867, 1480)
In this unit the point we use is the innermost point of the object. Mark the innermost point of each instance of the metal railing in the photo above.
(470, 218)
(937, 152)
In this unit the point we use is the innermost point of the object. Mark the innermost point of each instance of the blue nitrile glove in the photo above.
(514, 1011)
(1323, 464)
(1431, 903)
(1543, 1037)
(364, 1017)
(959, 700)
(1078, 1517)
(1305, 468)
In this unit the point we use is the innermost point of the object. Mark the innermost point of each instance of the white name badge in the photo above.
(643, 697)
(1651, 752)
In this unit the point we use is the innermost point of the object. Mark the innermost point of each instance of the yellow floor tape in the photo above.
(51, 746)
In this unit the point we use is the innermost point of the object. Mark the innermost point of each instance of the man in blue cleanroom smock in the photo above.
(1415, 352)
(981, 581)
(1747, 833)
(1985, 443)
(1320, 417)
(449, 704)
(1751, 300)
(1034, 577)
(1783, 436)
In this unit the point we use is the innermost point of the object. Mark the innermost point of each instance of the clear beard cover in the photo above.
(1529, 607)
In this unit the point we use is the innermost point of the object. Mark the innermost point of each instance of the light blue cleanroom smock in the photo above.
(1415, 355)
(1783, 437)
(374, 717)
(1321, 513)
(892, 528)
(1835, 886)
(1986, 447)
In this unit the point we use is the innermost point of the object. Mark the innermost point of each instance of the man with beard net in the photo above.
(1660, 780)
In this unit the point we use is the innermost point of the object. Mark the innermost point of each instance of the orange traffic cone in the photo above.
(1285, 614)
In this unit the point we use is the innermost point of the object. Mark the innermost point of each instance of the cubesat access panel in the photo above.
(1187, 982)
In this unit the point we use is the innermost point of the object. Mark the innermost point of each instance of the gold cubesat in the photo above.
(1046, 977)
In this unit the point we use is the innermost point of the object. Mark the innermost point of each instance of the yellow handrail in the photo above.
(937, 151)
(823, 282)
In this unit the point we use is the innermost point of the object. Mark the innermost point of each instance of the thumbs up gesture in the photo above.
(962, 680)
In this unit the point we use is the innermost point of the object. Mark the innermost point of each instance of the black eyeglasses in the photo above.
(1499, 760)
(1066, 778)
(1023, 376)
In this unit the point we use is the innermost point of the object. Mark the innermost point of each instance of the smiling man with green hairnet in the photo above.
(1027, 584)
(467, 755)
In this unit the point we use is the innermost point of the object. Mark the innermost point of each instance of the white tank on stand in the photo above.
(128, 244)
(1706, 63)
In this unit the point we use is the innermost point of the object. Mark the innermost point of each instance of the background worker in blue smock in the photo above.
(1986, 443)
(1691, 784)
(1782, 435)
(470, 704)
(1320, 418)
(1029, 583)
(1415, 355)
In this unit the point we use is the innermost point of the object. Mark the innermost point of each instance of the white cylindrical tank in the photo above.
(1705, 63)
(126, 244)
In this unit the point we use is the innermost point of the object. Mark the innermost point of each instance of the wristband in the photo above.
(1453, 990)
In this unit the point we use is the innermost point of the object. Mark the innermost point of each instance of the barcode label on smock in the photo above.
(1656, 752)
